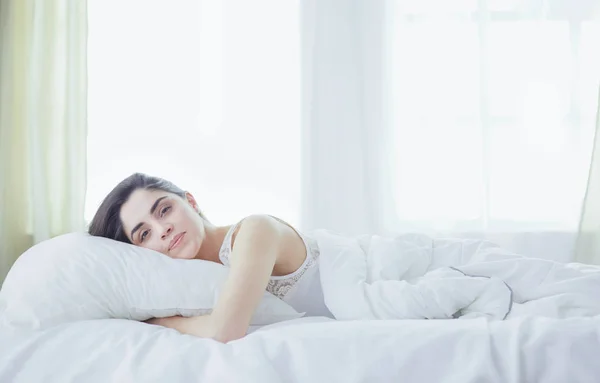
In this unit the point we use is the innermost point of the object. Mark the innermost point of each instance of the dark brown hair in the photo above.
(107, 221)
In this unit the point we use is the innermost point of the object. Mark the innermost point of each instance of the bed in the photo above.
(72, 309)
(310, 350)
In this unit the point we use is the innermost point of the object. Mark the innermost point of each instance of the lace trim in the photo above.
(278, 286)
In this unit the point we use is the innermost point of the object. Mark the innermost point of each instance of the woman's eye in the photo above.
(164, 210)
(144, 234)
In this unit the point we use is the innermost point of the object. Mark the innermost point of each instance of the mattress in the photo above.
(528, 349)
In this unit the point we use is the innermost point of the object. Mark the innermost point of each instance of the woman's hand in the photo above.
(200, 326)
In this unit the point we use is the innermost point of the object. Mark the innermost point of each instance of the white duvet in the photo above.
(311, 350)
(417, 277)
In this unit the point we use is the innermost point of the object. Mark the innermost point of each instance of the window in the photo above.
(495, 110)
(203, 93)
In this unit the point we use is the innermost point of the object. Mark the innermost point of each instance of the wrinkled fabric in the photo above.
(413, 276)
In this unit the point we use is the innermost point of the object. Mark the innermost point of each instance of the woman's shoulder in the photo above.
(291, 243)
(264, 222)
(258, 220)
(267, 225)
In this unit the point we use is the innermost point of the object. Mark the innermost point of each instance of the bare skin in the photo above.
(262, 247)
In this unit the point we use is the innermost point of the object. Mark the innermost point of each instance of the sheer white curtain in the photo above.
(459, 117)
(346, 174)
(42, 122)
(588, 240)
(203, 93)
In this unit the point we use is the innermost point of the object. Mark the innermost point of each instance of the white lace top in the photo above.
(302, 288)
(278, 285)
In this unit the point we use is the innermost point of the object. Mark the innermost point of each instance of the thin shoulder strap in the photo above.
(225, 250)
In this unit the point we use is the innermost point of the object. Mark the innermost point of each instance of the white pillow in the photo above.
(79, 277)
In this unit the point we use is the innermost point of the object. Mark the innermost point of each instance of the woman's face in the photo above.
(163, 222)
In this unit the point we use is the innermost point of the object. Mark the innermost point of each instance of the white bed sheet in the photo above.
(310, 350)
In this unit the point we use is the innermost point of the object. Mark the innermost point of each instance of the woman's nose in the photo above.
(167, 231)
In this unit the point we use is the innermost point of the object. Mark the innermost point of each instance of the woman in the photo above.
(263, 252)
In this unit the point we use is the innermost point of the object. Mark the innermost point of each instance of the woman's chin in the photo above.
(183, 255)
(184, 252)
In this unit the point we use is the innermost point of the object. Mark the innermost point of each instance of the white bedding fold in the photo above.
(414, 276)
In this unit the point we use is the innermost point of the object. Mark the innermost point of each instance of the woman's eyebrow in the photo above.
(152, 209)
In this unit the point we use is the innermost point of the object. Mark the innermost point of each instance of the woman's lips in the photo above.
(176, 241)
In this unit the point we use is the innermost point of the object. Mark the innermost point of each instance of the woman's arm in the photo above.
(258, 244)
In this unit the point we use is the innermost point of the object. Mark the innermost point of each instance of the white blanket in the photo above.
(540, 350)
(414, 276)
